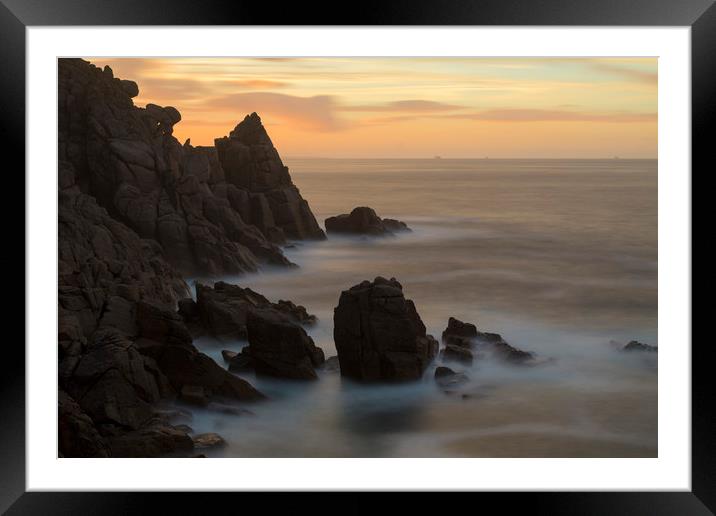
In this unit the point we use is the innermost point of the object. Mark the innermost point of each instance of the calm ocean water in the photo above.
(559, 256)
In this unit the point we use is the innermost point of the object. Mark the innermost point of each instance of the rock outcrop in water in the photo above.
(462, 338)
(213, 210)
(222, 310)
(379, 335)
(136, 210)
(364, 221)
(635, 345)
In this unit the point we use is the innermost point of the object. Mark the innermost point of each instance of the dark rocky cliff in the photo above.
(137, 210)
(213, 210)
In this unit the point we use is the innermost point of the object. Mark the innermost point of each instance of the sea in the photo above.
(557, 256)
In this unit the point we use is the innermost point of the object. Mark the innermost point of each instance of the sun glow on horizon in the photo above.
(412, 107)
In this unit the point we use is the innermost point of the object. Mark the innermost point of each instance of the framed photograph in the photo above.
(428, 247)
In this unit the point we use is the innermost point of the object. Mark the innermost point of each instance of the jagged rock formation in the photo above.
(379, 335)
(222, 310)
(137, 209)
(260, 186)
(460, 338)
(212, 210)
(364, 221)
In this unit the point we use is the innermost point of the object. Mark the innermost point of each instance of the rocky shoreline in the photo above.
(138, 213)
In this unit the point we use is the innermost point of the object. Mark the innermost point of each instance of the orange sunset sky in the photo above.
(412, 107)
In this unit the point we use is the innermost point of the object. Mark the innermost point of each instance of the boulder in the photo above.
(446, 377)
(280, 347)
(379, 335)
(223, 309)
(364, 221)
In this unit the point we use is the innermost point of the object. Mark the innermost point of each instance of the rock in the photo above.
(127, 159)
(208, 440)
(459, 333)
(188, 309)
(279, 347)
(379, 335)
(153, 441)
(77, 435)
(638, 346)
(446, 377)
(250, 162)
(442, 371)
(454, 353)
(194, 395)
(364, 221)
(242, 362)
(223, 309)
(130, 88)
(228, 355)
(395, 226)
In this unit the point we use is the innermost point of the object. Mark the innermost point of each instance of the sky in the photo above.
(352, 107)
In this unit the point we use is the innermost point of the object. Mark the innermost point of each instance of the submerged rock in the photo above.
(379, 335)
(446, 377)
(364, 221)
(639, 346)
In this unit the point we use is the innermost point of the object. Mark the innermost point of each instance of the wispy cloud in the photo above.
(409, 106)
(317, 112)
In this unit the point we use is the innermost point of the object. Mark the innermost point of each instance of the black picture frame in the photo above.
(17, 15)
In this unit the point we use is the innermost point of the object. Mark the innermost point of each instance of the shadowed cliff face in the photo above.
(136, 210)
(211, 212)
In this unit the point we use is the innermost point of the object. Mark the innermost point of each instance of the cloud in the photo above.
(522, 115)
(260, 84)
(546, 115)
(630, 74)
(405, 106)
(315, 113)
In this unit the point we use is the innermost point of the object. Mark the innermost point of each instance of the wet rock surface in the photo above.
(364, 221)
(379, 335)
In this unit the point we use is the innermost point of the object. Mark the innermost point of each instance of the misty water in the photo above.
(558, 256)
